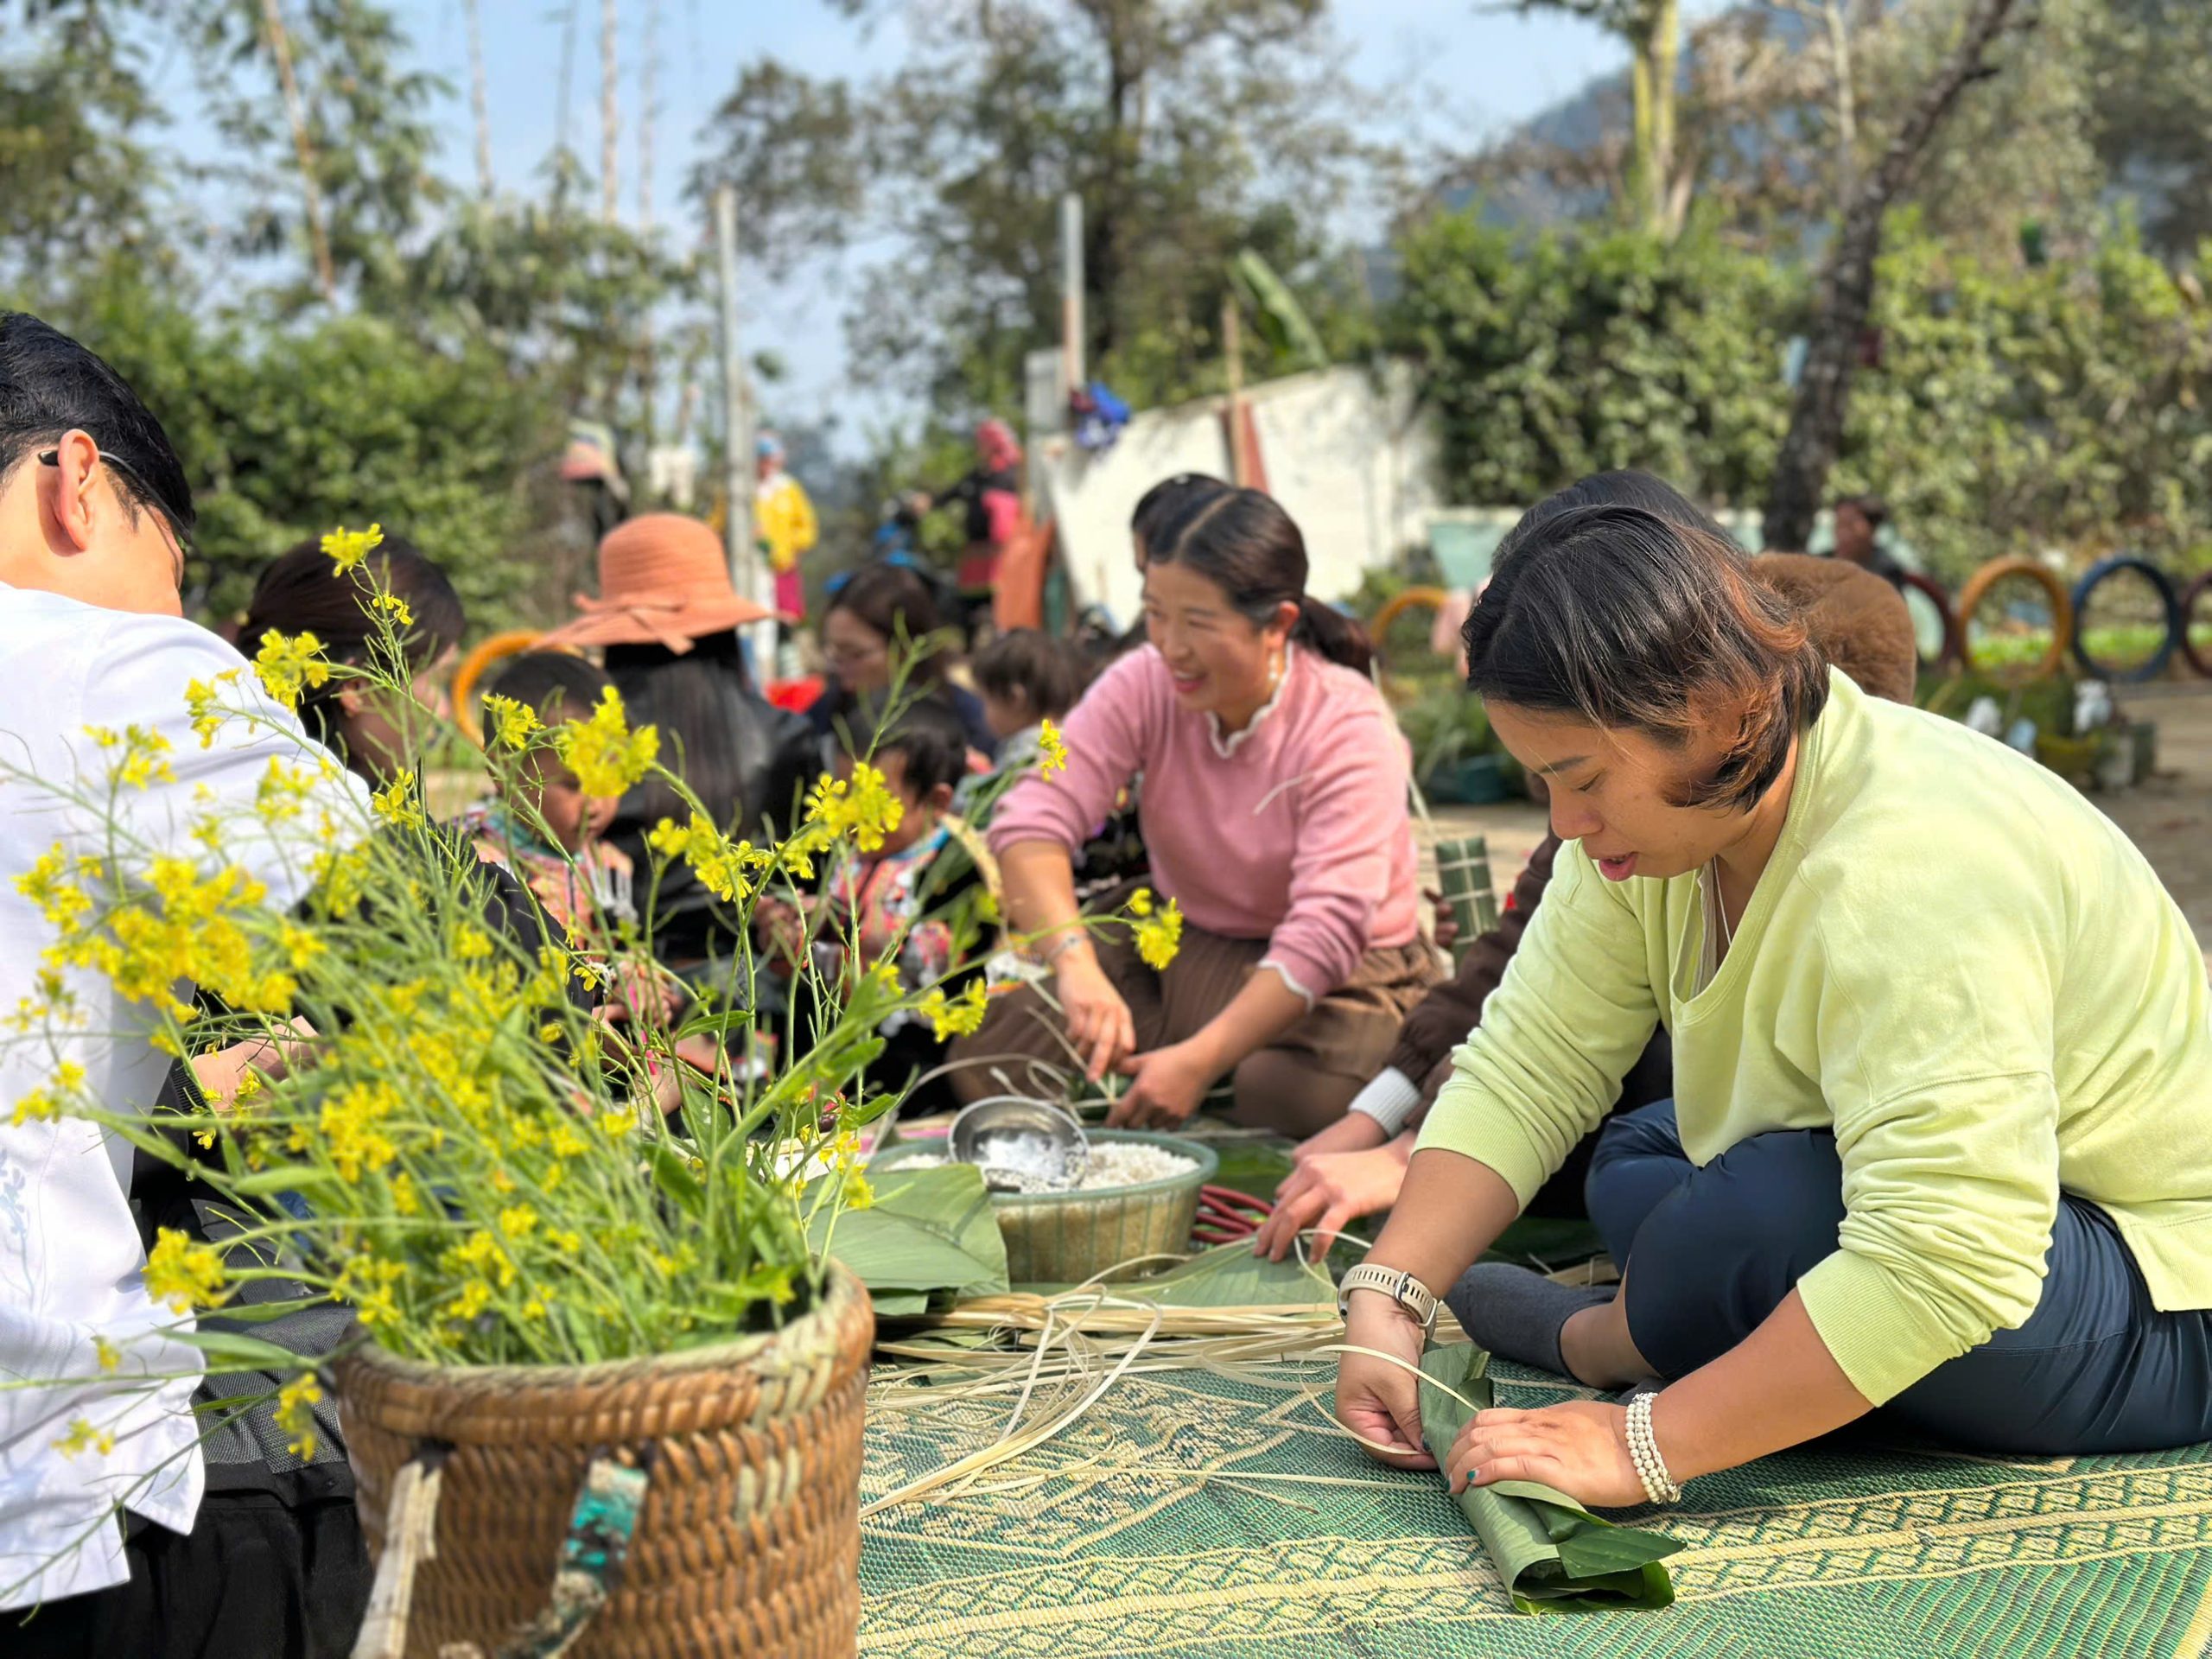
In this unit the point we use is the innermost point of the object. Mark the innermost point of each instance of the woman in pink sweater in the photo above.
(1273, 808)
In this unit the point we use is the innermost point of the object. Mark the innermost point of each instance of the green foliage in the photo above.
(2013, 407)
(1550, 359)
(286, 433)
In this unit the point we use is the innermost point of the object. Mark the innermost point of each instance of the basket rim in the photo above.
(1208, 1162)
(841, 1286)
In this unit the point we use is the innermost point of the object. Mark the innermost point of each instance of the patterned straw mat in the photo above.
(1188, 1513)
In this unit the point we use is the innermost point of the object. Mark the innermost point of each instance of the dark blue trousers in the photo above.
(1707, 1253)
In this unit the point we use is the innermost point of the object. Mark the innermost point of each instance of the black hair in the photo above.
(1044, 674)
(705, 707)
(1165, 511)
(894, 602)
(554, 685)
(1248, 546)
(924, 733)
(49, 384)
(1871, 508)
(302, 592)
(1618, 603)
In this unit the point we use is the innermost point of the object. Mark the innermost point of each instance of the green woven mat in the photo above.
(1109, 1542)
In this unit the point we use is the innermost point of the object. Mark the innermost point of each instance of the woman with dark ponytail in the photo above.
(1938, 1146)
(1275, 810)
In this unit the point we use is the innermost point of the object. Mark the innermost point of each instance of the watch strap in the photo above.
(1398, 1285)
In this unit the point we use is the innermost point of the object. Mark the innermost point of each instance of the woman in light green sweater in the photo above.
(1941, 1141)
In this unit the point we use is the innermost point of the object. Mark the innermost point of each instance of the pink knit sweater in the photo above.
(1294, 830)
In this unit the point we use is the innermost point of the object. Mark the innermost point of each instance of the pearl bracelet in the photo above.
(1643, 1450)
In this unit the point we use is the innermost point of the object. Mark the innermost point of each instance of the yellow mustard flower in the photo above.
(605, 755)
(396, 608)
(82, 1436)
(286, 665)
(513, 722)
(296, 1403)
(951, 1017)
(396, 803)
(863, 807)
(107, 1353)
(184, 1275)
(204, 702)
(142, 751)
(347, 547)
(1052, 749)
(1158, 938)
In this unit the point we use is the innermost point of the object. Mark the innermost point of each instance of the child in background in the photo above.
(891, 901)
(1025, 677)
(575, 875)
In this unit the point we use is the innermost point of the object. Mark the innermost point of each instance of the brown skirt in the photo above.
(1298, 1082)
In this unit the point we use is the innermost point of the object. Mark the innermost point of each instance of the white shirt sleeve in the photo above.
(1389, 1100)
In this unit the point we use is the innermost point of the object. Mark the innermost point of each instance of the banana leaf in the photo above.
(929, 1238)
(1552, 1554)
(1280, 320)
(1227, 1275)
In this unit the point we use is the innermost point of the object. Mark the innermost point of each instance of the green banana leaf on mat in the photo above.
(1228, 1275)
(1553, 1556)
(930, 1237)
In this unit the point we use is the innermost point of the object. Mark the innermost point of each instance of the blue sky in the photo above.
(1464, 69)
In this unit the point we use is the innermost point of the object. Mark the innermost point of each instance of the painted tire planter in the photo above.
(2169, 603)
(748, 1538)
(1062, 1239)
(2061, 610)
(1953, 648)
(2191, 596)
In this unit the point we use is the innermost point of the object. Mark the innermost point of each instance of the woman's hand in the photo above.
(1580, 1449)
(1328, 1192)
(1378, 1400)
(1169, 1083)
(1446, 922)
(1353, 1132)
(1100, 1024)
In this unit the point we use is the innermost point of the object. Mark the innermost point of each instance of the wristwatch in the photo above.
(1398, 1285)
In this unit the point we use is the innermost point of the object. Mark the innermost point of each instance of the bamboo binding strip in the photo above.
(749, 1541)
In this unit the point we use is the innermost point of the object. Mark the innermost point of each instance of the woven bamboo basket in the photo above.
(748, 1543)
(1062, 1239)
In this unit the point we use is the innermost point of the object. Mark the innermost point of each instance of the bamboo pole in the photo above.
(480, 101)
(1232, 346)
(610, 123)
(280, 48)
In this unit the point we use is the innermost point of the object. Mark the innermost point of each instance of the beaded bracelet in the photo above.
(1643, 1450)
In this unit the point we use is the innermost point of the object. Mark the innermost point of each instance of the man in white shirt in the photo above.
(117, 1545)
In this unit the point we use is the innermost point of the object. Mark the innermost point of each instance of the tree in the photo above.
(1846, 288)
(2143, 62)
(1192, 130)
(1652, 30)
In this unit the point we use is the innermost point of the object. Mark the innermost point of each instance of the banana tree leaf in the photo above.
(1280, 318)
(929, 1231)
(1553, 1556)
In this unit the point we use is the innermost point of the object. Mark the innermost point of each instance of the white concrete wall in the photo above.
(1353, 463)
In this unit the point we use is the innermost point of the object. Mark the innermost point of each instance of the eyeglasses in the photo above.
(180, 542)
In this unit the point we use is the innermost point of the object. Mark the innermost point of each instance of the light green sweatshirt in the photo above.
(1953, 961)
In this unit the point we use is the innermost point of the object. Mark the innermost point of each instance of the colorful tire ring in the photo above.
(2061, 610)
(1953, 649)
(2153, 665)
(2201, 661)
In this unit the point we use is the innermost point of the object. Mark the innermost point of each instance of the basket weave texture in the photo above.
(749, 1539)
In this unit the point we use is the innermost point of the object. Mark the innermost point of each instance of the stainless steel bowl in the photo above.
(1022, 1145)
